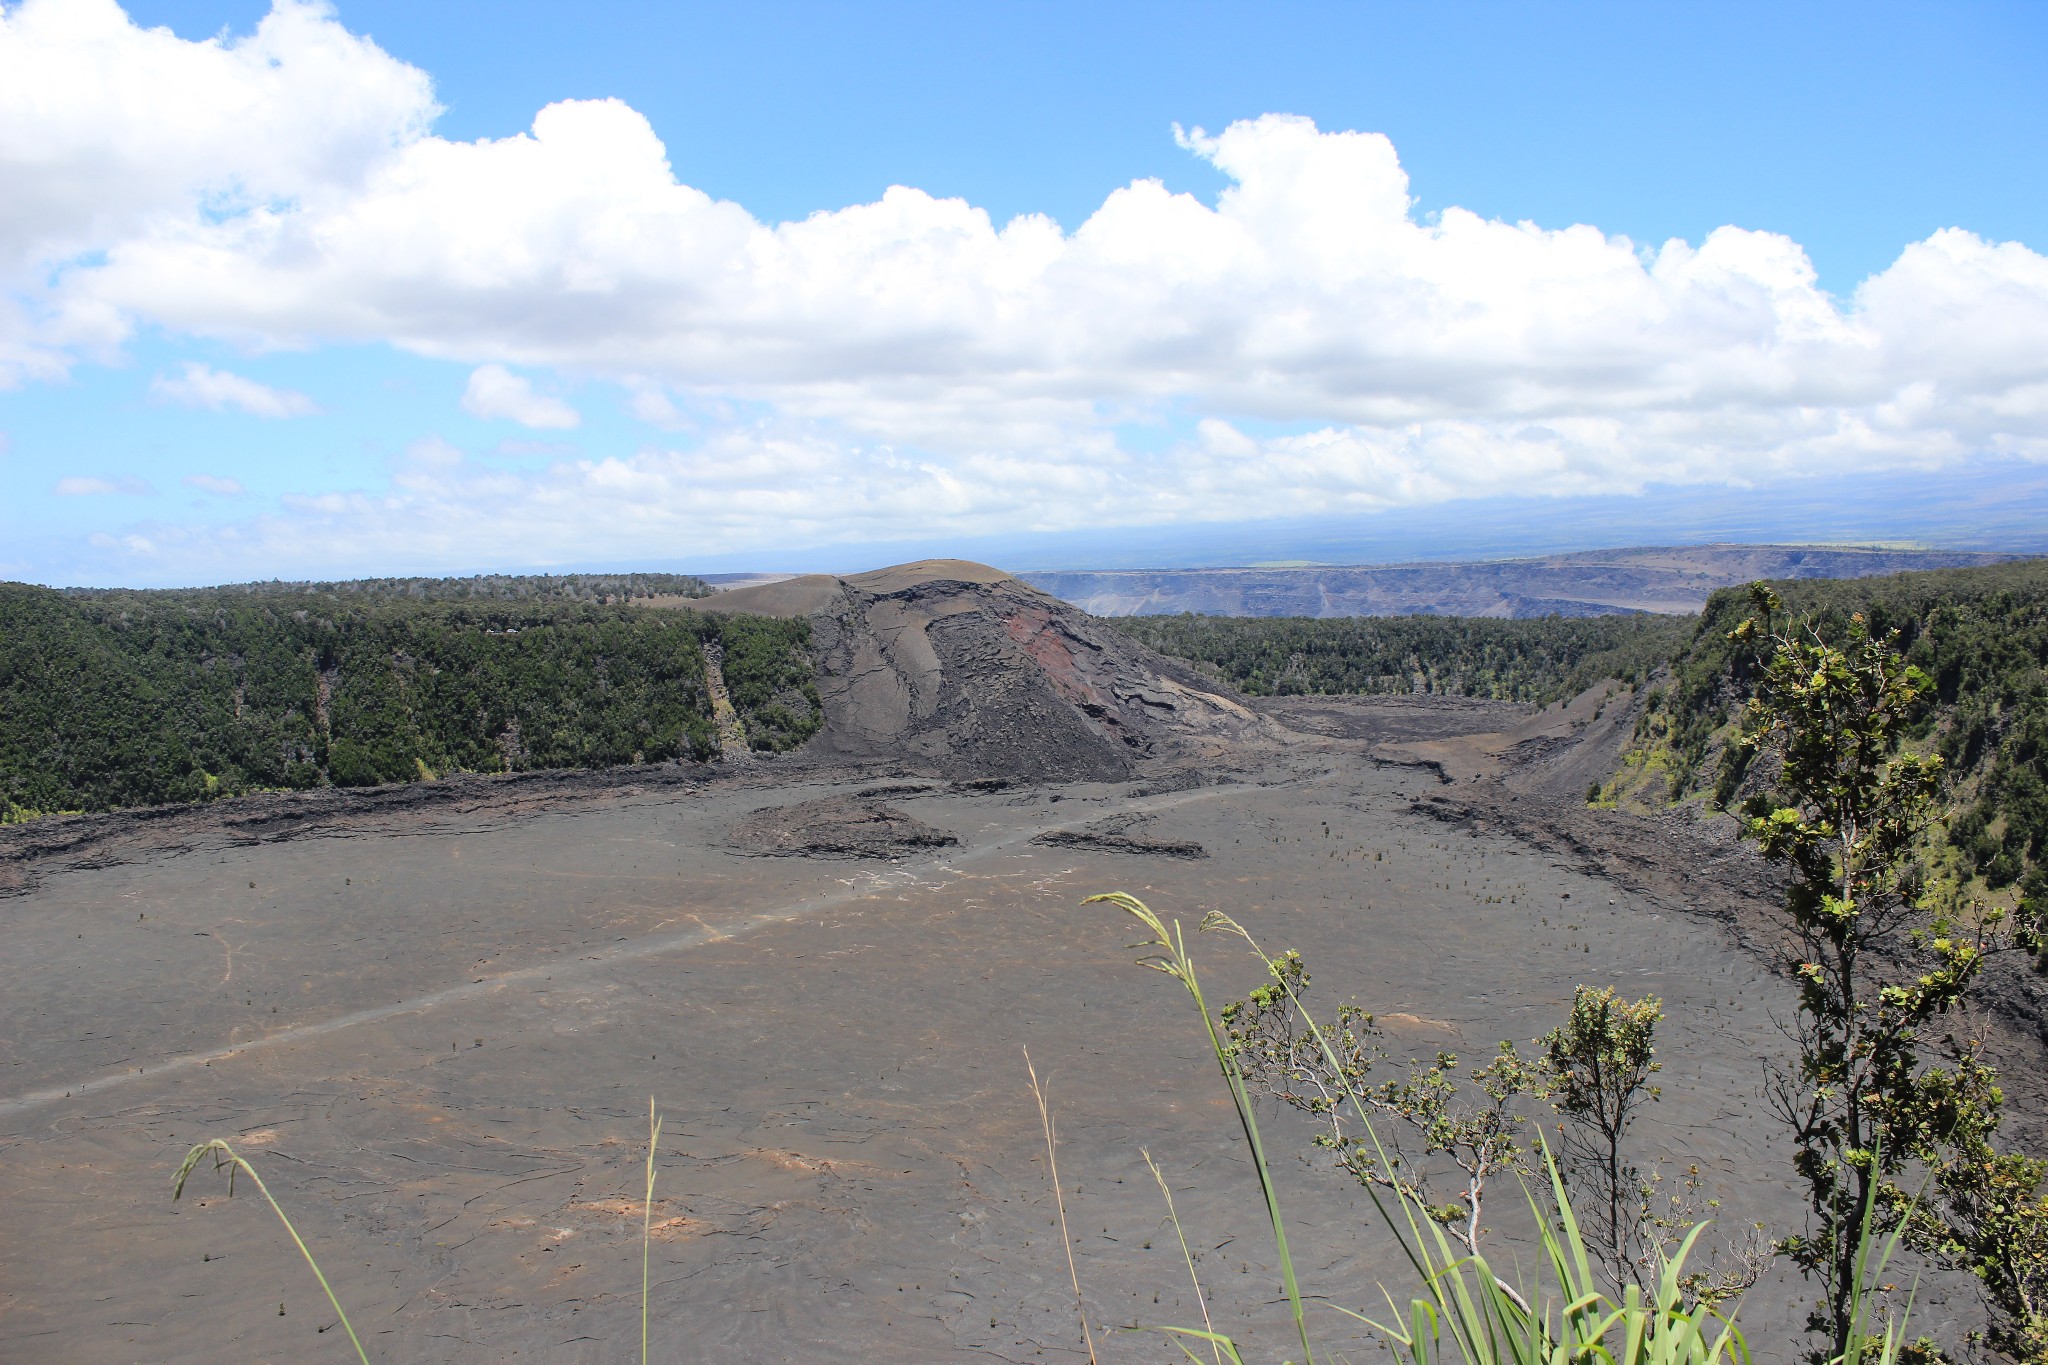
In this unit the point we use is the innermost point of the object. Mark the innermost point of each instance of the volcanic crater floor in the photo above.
(437, 1039)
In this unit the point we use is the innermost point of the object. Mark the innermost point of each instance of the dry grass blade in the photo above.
(1052, 1166)
(647, 1220)
(1186, 1255)
(226, 1158)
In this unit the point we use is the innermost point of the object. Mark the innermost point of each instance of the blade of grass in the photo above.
(1492, 1321)
(1867, 1276)
(1216, 1341)
(1172, 958)
(226, 1158)
(1052, 1165)
(1186, 1255)
(647, 1220)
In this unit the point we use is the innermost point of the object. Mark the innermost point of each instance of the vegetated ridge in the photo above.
(118, 699)
(1980, 634)
(599, 589)
(1535, 661)
(1670, 579)
(112, 699)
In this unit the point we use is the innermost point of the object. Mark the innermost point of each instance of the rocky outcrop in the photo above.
(835, 827)
(965, 671)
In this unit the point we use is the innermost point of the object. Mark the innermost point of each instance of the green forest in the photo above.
(112, 699)
(1535, 661)
(1980, 634)
(598, 588)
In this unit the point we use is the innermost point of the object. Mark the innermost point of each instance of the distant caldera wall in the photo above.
(1659, 579)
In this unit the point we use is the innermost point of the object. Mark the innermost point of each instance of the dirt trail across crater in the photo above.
(889, 844)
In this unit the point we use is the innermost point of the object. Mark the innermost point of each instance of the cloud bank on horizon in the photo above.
(1308, 344)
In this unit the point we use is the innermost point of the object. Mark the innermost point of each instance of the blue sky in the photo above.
(262, 324)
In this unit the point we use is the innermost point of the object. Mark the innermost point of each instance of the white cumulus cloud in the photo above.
(201, 386)
(215, 483)
(109, 131)
(910, 364)
(495, 394)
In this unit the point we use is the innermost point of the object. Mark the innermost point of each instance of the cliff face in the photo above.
(965, 670)
(1675, 579)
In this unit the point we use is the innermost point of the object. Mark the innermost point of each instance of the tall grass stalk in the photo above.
(1169, 955)
(647, 1220)
(226, 1158)
(1052, 1166)
(1186, 1255)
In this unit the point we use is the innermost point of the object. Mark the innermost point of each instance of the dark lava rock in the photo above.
(969, 673)
(1100, 842)
(835, 827)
